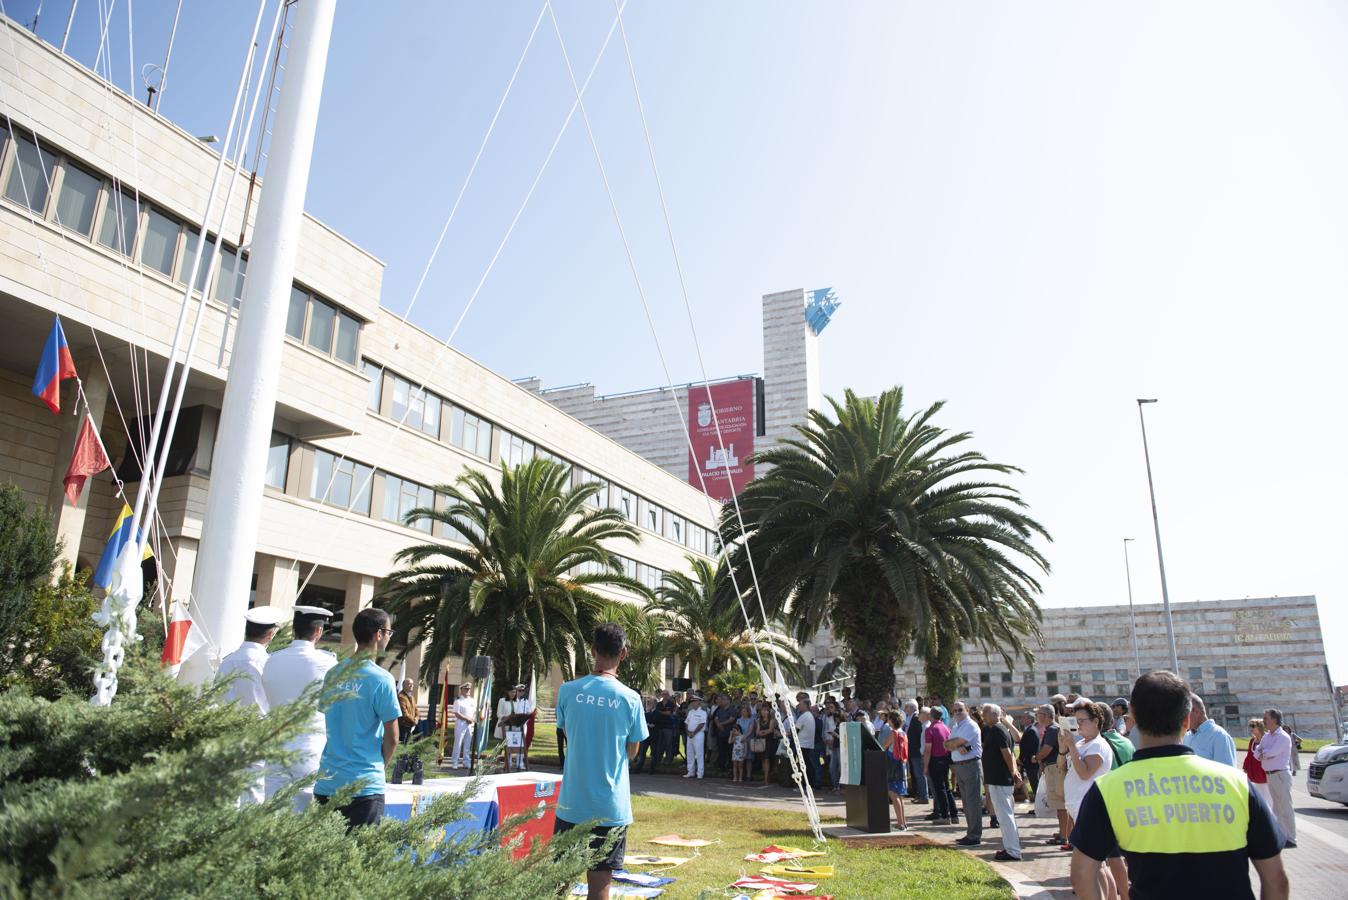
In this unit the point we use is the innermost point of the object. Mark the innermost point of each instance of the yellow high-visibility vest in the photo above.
(1177, 804)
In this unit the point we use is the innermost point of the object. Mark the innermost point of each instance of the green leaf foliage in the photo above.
(713, 637)
(526, 588)
(890, 530)
(138, 800)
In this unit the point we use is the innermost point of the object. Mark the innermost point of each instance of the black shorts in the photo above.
(366, 810)
(614, 859)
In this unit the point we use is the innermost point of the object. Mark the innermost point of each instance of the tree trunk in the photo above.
(875, 635)
(942, 666)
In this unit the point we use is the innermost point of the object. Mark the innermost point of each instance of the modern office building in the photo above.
(743, 413)
(1241, 656)
(100, 201)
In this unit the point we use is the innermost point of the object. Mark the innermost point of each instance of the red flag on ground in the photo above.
(88, 459)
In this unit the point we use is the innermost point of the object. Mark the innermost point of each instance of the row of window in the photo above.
(423, 410)
(86, 202)
(650, 576)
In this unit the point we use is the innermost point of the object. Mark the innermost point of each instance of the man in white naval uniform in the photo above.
(244, 666)
(288, 673)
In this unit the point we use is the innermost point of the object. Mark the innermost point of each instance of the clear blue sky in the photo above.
(1037, 213)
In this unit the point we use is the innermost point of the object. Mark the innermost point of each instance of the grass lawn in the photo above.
(919, 872)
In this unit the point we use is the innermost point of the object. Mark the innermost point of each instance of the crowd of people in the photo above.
(969, 763)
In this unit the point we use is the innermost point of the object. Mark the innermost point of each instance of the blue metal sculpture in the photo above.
(823, 303)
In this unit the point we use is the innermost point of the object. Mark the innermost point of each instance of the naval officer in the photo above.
(288, 673)
(244, 666)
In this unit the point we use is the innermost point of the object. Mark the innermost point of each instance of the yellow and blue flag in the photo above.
(120, 537)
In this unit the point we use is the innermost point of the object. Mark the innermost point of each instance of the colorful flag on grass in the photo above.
(88, 459)
(54, 367)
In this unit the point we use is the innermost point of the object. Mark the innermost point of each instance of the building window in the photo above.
(1121, 690)
(121, 221)
(1073, 676)
(78, 198)
(1195, 673)
(414, 406)
(600, 498)
(470, 433)
(1006, 678)
(627, 503)
(375, 373)
(233, 268)
(327, 329)
(350, 482)
(29, 174)
(515, 450)
(985, 690)
(299, 309)
(402, 496)
(1052, 678)
(674, 527)
(278, 460)
(322, 321)
(1008, 691)
(1122, 674)
(161, 242)
(189, 255)
(652, 516)
(1098, 676)
(1219, 671)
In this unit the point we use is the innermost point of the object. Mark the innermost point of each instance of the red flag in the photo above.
(88, 459)
(181, 641)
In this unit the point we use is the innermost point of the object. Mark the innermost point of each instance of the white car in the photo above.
(1327, 777)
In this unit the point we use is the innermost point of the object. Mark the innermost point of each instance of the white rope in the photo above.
(793, 751)
(153, 472)
(491, 265)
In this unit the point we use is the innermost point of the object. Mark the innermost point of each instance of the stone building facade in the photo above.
(1241, 656)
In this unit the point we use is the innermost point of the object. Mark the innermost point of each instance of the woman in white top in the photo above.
(1089, 757)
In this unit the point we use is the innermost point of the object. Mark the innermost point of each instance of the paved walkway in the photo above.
(1318, 868)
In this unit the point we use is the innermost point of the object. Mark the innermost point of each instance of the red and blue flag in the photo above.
(55, 366)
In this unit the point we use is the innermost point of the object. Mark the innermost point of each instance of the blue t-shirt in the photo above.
(600, 717)
(358, 698)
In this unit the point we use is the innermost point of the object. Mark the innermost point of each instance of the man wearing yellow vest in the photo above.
(1187, 826)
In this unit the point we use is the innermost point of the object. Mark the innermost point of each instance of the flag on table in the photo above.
(54, 367)
(120, 537)
(88, 459)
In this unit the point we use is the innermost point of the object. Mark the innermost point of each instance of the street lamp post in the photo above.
(1128, 573)
(1156, 524)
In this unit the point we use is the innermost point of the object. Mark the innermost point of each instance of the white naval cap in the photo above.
(313, 611)
(266, 615)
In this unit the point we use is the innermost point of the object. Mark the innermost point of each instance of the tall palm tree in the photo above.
(709, 636)
(524, 589)
(882, 526)
(647, 646)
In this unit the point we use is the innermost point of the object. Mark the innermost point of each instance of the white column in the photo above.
(233, 505)
(359, 595)
(278, 581)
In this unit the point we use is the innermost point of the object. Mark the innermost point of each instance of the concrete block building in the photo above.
(1241, 656)
(100, 203)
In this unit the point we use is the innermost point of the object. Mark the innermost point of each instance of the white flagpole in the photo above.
(234, 501)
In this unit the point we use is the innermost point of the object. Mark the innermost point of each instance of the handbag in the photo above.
(758, 745)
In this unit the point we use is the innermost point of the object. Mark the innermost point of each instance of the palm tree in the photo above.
(647, 646)
(882, 526)
(524, 589)
(711, 637)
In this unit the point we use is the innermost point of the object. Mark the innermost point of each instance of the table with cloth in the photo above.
(498, 798)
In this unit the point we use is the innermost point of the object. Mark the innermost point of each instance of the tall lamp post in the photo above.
(1156, 524)
(1128, 573)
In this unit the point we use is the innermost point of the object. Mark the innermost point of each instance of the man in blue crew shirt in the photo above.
(604, 723)
(360, 707)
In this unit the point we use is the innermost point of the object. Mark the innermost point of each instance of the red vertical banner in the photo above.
(733, 402)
